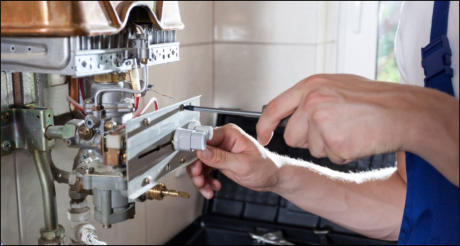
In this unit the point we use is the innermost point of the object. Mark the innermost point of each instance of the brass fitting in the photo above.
(159, 191)
(103, 78)
(108, 125)
(85, 133)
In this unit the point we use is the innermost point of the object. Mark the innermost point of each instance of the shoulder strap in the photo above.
(436, 56)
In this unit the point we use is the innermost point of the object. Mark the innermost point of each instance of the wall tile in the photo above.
(273, 22)
(249, 76)
(197, 18)
(190, 77)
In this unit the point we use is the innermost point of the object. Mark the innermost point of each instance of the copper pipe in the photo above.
(73, 93)
(18, 90)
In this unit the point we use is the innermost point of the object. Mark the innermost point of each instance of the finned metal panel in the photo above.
(66, 56)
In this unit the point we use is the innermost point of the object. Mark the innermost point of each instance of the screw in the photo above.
(182, 160)
(106, 226)
(146, 181)
(6, 146)
(146, 122)
(6, 116)
(89, 170)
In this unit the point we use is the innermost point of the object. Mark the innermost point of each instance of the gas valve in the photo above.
(193, 137)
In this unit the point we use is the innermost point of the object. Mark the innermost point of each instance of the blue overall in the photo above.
(431, 210)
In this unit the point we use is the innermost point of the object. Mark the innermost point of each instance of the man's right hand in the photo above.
(238, 156)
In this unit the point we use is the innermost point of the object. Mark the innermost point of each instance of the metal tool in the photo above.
(272, 238)
(231, 112)
(224, 111)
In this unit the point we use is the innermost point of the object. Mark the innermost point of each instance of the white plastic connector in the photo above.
(193, 137)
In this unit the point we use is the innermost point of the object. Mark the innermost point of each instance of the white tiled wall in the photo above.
(263, 48)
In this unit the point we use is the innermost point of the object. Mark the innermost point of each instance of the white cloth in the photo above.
(414, 33)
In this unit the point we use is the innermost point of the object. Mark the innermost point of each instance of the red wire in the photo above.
(155, 104)
(78, 106)
(82, 92)
(136, 105)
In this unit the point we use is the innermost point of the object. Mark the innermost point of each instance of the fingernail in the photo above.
(207, 153)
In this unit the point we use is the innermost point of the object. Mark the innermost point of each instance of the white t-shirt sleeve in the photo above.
(413, 33)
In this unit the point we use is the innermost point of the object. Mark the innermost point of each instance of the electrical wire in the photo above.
(82, 91)
(136, 103)
(142, 111)
(78, 106)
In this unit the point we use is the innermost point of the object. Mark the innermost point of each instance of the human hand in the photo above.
(238, 156)
(343, 117)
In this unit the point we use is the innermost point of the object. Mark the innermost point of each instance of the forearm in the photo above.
(434, 135)
(359, 202)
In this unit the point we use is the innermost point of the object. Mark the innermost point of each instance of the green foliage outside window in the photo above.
(387, 69)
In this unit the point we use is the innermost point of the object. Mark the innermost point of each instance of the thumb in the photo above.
(217, 158)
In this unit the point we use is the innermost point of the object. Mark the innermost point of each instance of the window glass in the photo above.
(387, 70)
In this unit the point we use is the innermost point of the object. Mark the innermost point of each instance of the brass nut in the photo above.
(108, 125)
(85, 133)
(97, 108)
(156, 193)
(103, 78)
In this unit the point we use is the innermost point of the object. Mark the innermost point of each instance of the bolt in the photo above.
(89, 170)
(6, 146)
(146, 181)
(68, 142)
(6, 116)
(146, 122)
(124, 157)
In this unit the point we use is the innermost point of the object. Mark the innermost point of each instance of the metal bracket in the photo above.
(149, 149)
(24, 128)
